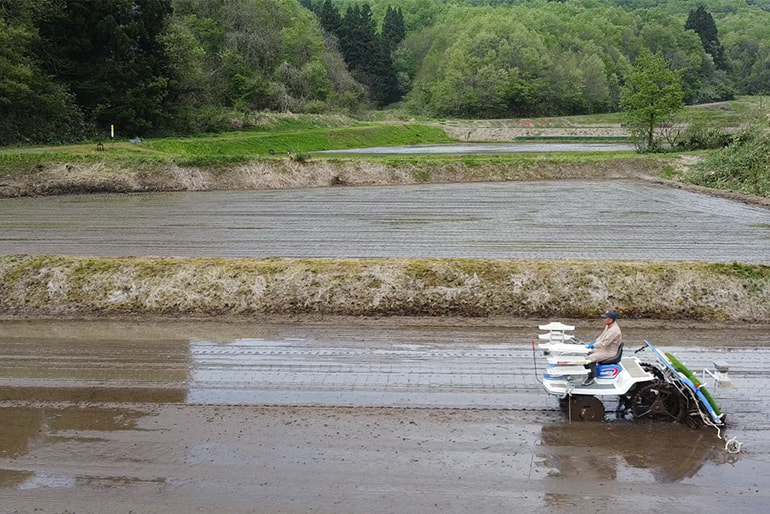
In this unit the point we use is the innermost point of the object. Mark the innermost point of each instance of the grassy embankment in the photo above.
(217, 161)
(56, 286)
(278, 152)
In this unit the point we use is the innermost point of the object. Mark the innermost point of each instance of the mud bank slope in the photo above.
(54, 286)
(114, 177)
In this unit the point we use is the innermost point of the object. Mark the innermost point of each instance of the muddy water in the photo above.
(530, 220)
(265, 417)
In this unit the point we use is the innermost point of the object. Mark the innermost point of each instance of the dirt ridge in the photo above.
(83, 286)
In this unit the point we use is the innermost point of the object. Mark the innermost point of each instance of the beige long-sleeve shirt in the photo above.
(607, 344)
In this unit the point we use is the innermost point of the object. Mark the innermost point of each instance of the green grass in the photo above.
(19, 164)
(743, 166)
(226, 149)
(283, 142)
(282, 139)
(744, 271)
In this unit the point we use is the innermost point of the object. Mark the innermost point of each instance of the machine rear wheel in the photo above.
(585, 408)
(657, 400)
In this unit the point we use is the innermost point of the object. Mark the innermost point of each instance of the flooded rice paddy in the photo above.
(518, 220)
(348, 415)
(485, 148)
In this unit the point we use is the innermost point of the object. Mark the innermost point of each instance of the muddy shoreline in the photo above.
(225, 323)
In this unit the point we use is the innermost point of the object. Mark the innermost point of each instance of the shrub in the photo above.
(742, 166)
(700, 135)
(299, 156)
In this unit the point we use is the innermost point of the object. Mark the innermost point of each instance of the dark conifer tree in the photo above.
(384, 82)
(358, 35)
(108, 53)
(393, 28)
(367, 54)
(330, 18)
(703, 24)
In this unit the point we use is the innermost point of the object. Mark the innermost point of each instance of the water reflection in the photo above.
(81, 361)
(647, 452)
(11, 478)
(19, 425)
(98, 394)
(73, 429)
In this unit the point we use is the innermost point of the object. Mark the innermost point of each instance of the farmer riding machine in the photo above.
(657, 387)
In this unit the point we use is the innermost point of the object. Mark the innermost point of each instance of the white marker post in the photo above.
(112, 135)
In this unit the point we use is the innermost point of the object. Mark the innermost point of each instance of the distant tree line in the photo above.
(71, 68)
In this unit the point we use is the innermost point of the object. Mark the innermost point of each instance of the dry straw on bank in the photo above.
(260, 174)
(35, 285)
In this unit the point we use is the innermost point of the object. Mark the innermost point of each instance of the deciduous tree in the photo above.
(33, 108)
(652, 95)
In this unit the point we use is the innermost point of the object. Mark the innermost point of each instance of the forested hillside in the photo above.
(70, 69)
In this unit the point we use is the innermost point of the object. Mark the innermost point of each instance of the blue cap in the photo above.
(610, 314)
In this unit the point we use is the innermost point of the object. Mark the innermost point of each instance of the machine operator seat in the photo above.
(616, 358)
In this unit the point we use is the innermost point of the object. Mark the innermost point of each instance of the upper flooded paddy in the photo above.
(517, 220)
(486, 148)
